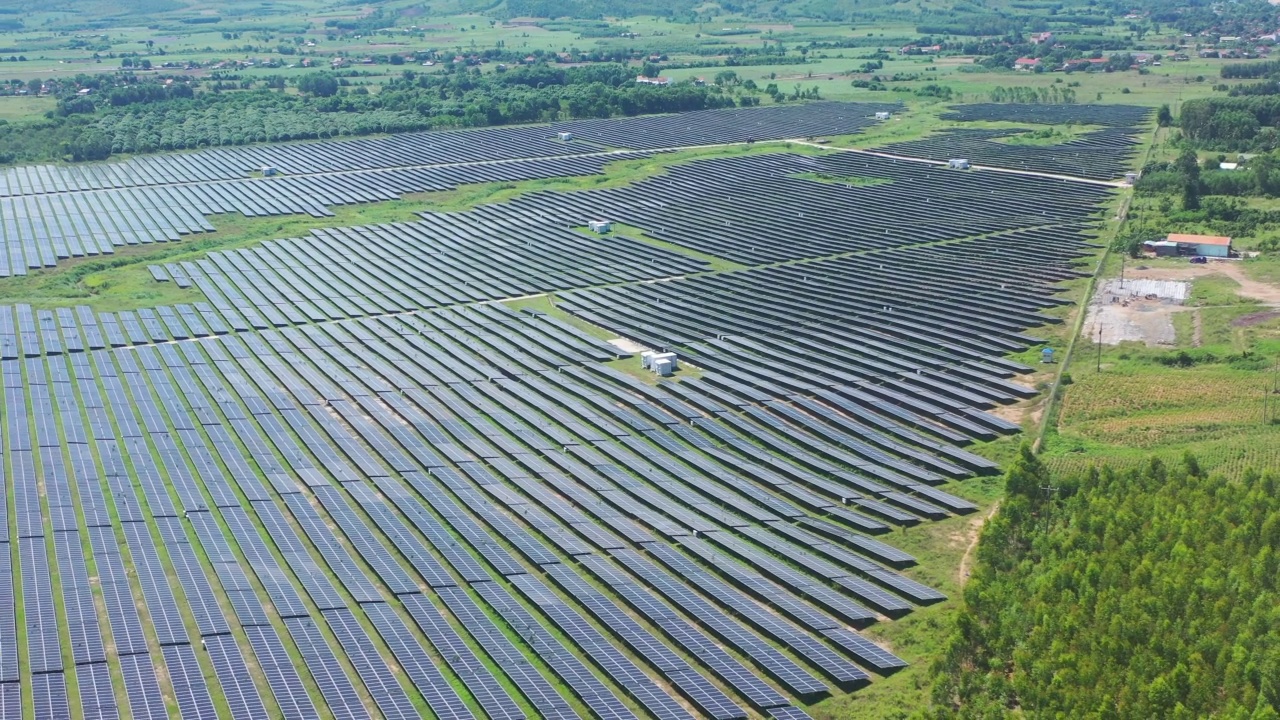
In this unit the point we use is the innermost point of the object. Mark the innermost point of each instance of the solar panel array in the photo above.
(341, 477)
(49, 213)
(1124, 116)
(744, 208)
(1103, 154)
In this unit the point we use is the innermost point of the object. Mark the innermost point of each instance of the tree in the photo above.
(1190, 195)
(318, 84)
(1188, 165)
(1164, 117)
(91, 146)
(1147, 594)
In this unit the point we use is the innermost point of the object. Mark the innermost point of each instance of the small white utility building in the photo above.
(661, 363)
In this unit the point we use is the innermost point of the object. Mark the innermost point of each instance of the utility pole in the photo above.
(1268, 407)
(1099, 344)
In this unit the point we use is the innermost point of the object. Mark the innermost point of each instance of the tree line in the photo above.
(1232, 123)
(151, 118)
(1148, 593)
(1245, 71)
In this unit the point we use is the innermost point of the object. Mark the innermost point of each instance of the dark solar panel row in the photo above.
(49, 696)
(609, 659)
(383, 686)
(233, 676)
(430, 682)
(117, 204)
(322, 664)
(554, 457)
(1102, 154)
(598, 698)
(833, 666)
(158, 213)
(451, 146)
(140, 683)
(97, 698)
(187, 680)
(535, 688)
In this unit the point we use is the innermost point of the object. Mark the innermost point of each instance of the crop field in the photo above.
(415, 468)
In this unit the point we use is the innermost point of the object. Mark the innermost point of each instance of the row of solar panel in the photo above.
(436, 148)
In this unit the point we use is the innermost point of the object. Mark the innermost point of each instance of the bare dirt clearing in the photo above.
(1136, 309)
(1266, 293)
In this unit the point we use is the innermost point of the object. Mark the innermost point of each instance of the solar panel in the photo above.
(140, 684)
(97, 698)
(189, 687)
(233, 676)
(372, 670)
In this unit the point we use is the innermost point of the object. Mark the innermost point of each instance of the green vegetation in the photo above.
(1207, 394)
(853, 180)
(1216, 290)
(1047, 136)
(136, 120)
(1149, 593)
(714, 264)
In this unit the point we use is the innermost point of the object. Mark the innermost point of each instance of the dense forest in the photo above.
(1232, 123)
(1145, 594)
(136, 120)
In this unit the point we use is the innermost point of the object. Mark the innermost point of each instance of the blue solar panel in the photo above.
(336, 688)
(189, 687)
(10, 701)
(97, 699)
(373, 671)
(49, 691)
(282, 677)
(145, 701)
(486, 689)
(233, 677)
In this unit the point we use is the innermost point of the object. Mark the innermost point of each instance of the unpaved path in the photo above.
(989, 168)
(975, 530)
